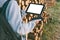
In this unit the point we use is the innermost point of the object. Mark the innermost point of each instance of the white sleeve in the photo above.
(25, 28)
(13, 15)
(14, 18)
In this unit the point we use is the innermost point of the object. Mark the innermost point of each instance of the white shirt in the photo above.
(2, 2)
(14, 18)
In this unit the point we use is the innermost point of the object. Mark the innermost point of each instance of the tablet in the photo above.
(35, 8)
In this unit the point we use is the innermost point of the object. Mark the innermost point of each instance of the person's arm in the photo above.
(13, 15)
(14, 18)
(26, 27)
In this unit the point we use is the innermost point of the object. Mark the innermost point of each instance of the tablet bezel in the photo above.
(35, 13)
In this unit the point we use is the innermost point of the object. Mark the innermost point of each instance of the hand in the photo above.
(37, 21)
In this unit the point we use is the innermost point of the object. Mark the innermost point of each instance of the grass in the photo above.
(50, 28)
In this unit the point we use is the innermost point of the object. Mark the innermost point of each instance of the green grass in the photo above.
(50, 28)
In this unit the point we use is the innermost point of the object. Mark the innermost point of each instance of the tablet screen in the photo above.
(35, 8)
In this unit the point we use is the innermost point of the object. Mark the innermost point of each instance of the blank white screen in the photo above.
(33, 8)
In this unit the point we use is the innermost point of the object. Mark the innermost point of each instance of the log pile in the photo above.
(38, 30)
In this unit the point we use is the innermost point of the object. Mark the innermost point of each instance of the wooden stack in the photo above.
(50, 3)
(38, 30)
